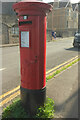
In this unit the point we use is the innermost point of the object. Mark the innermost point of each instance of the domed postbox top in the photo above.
(32, 5)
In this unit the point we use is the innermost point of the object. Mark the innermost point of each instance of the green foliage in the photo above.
(62, 69)
(15, 110)
(47, 111)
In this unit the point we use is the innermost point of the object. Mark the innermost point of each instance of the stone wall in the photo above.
(5, 34)
(13, 38)
(61, 33)
(49, 35)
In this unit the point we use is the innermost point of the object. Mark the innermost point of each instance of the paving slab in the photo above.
(63, 89)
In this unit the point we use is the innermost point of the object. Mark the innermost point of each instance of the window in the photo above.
(75, 15)
(67, 24)
(15, 30)
(67, 12)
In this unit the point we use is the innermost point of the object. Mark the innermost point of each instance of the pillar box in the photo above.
(32, 37)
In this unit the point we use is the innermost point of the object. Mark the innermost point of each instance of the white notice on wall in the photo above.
(25, 39)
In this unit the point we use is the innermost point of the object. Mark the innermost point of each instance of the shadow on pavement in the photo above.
(73, 112)
(73, 49)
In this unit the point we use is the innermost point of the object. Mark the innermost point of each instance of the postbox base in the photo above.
(32, 99)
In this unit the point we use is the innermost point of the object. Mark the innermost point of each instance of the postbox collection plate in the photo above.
(25, 39)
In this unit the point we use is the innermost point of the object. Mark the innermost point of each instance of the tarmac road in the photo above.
(60, 51)
(57, 53)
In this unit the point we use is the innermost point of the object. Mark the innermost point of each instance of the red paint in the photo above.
(33, 59)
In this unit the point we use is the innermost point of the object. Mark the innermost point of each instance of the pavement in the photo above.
(9, 45)
(63, 89)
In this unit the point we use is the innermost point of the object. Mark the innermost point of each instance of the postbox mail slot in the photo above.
(25, 22)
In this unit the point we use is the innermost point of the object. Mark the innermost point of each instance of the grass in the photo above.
(61, 69)
(15, 110)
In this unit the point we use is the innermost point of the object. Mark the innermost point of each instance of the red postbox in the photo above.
(32, 36)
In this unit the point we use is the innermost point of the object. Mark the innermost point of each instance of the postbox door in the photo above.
(30, 54)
